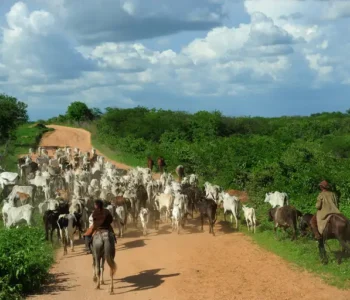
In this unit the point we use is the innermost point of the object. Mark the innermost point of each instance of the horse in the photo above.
(103, 249)
(150, 163)
(338, 227)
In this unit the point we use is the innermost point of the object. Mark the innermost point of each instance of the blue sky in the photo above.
(253, 57)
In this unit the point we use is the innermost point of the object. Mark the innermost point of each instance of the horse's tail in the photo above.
(109, 250)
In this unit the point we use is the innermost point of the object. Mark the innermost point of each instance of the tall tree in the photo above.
(12, 114)
(78, 111)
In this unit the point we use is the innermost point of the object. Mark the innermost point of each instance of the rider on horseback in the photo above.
(102, 220)
(327, 204)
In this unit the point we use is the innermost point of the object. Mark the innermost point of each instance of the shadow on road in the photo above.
(57, 283)
(165, 229)
(145, 280)
(132, 244)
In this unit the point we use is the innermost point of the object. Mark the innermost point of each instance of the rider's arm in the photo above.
(319, 202)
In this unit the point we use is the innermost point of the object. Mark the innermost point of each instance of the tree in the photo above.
(96, 112)
(78, 111)
(12, 114)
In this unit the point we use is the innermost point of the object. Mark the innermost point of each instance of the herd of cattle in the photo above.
(63, 188)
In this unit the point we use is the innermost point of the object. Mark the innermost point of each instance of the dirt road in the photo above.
(193, 265)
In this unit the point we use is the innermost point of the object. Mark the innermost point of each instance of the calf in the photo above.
(284, 217)
(249, 215)
(207, 208)
(67, 224)
(144, 217)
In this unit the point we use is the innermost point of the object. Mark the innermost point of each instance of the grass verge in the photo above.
(25, 256)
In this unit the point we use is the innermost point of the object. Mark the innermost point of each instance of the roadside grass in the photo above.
(25, 256)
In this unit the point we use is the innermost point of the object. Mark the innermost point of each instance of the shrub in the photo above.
(25, 259)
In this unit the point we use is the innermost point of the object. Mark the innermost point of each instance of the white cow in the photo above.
(144, 217)
(164, 201)
(120, 218)
(176, 218)
(8, 178)
(18, 214)
(230, 203)
(276, 199)
(249, 215)
(50, 204)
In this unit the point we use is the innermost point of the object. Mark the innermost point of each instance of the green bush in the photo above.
(25, 259)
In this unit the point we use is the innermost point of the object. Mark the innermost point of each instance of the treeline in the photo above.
(291, 154)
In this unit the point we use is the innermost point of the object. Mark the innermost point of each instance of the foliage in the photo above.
(25, 259)
(12, 114)
(291, 154)
(79, 111)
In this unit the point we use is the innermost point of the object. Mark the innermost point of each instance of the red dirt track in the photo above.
(189, 266)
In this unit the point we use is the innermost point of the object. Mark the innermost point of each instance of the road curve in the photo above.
(189, 266)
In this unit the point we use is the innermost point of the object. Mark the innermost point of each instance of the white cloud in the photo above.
(106, 55)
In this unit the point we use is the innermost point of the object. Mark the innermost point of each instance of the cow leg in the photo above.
(71, 238)
(202, 221)
(225, 215)
(275, 230)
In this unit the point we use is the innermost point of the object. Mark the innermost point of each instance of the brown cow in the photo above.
(63, 194)
(284, 217)
(161, 164)
(150, 163)
(22, 197)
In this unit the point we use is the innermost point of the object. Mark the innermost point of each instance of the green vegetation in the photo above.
(25, 256)
(258, 155)
(25, 259)
(12, 114)
(24, 137)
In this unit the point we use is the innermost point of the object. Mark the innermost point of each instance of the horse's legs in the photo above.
(98, 271)
(322, 251)
(345, 248)
(94, 275)
(102, 269)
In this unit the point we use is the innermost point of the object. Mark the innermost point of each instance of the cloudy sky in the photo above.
(253, 57)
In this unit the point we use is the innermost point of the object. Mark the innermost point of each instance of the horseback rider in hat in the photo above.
(102, 220)
(327, 203)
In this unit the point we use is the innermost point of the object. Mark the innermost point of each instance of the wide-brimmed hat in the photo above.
(324, 184)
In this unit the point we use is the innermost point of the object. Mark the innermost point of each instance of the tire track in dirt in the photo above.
(189, 266)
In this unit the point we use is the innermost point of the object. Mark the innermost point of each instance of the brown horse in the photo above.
(337, 228)
(150, 163)
(161, 164)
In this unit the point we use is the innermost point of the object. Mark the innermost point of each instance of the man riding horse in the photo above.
(102, 220)
(326, 205)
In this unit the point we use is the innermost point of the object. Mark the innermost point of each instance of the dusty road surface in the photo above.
(192, 265)
(72, 137)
